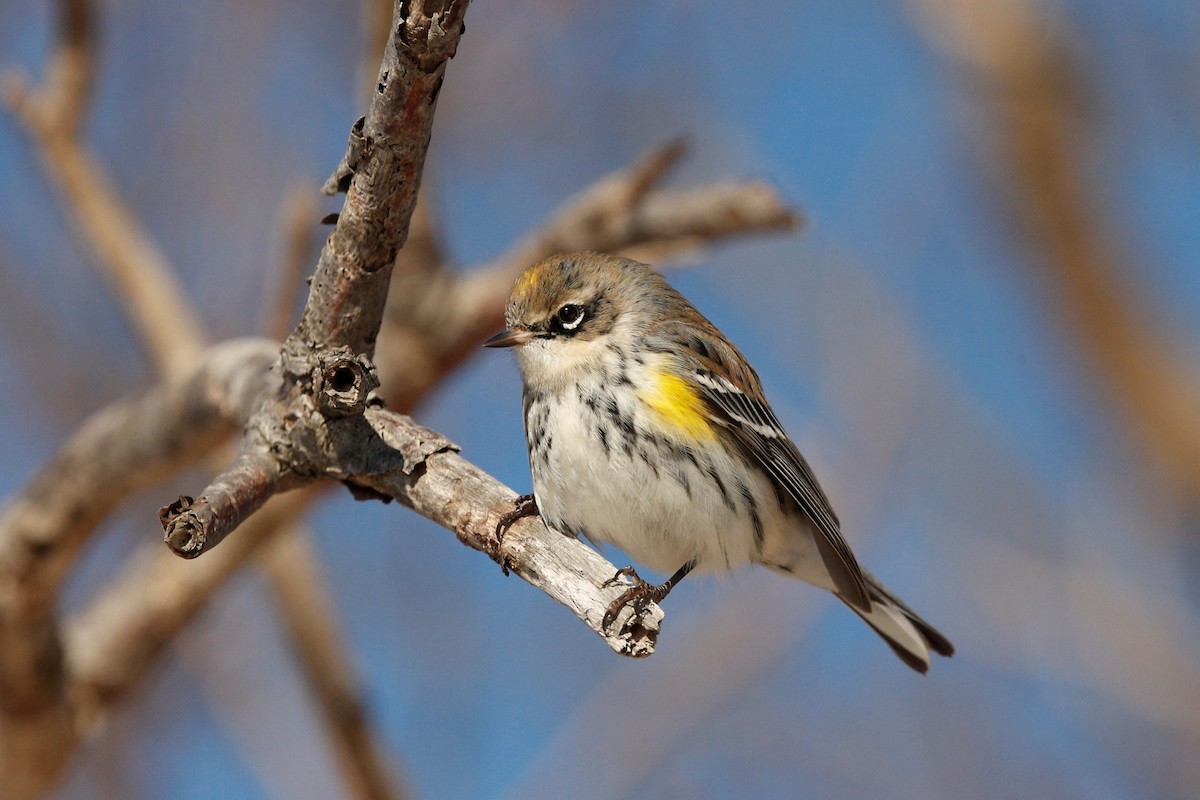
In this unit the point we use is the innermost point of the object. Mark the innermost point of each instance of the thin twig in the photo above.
(239, 491)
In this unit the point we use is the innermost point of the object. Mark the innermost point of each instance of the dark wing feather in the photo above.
(754, 425)
(734, 397)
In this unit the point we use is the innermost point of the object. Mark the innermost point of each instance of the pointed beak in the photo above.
(513, 338)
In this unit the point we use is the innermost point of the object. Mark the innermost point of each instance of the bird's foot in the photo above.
(639, 594)
(523, 506)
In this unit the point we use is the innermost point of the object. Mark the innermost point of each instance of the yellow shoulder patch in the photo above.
(677, 404)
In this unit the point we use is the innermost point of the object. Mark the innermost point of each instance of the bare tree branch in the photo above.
(122, 448)
(344, 311)
(128, 259)
(230, 499)
(422, 469)
(298, 221)
(115, 640)
(138, 272)
(380, 174)
(623, 211)
(1020, 57)
(394, 457)
(293, 573)
(112, 644)
(147, 281)
(69, 83)
(429, 331)
(297, 585)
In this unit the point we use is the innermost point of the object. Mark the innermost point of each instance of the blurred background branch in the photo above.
(1035, 141)
(435, 319)
(136, 270)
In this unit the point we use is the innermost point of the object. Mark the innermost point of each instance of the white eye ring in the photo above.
(570, 316)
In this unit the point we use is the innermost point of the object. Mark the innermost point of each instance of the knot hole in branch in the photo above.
(343, 381)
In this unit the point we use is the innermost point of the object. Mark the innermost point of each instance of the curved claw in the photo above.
(641, 592)
(631, 595)
(624, 572)
(524, 506)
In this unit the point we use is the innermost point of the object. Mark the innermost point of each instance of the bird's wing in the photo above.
(737, 404)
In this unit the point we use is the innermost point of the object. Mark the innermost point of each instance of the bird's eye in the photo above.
(569, 316)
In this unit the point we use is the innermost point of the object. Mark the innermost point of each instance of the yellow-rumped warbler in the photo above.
(648, 429)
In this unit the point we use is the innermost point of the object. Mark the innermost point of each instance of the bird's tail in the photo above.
(908, 635)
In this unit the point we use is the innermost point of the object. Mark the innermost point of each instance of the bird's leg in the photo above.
(641, 592)
(523, 506)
